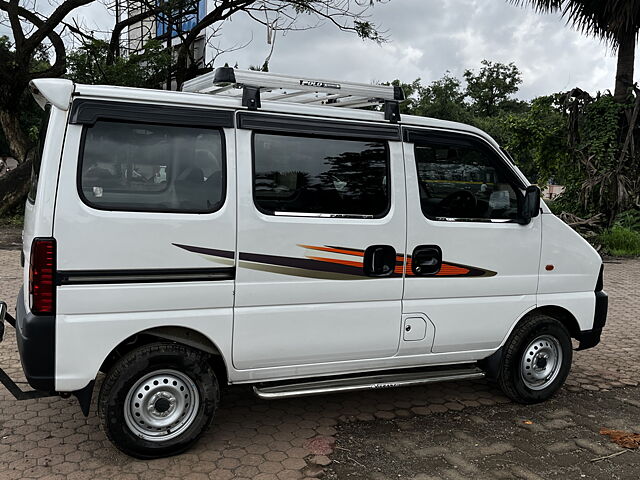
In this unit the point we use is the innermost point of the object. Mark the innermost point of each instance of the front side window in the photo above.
(154, 168)
(464, 181)
(310, 175)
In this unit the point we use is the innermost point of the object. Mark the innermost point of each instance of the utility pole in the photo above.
(117, 22)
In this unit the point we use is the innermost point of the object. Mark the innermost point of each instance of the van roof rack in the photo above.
(251, 84)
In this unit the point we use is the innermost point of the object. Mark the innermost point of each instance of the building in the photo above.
(167, 28)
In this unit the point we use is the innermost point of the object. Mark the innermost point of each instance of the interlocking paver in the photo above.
(251, 438)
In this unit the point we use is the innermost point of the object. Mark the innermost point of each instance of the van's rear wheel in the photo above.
(536, 361)
(158, 399)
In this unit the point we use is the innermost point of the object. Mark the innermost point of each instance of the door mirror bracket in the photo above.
(530, 207)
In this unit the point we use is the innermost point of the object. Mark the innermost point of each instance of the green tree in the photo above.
(442, 99)
(490, 90)
(617, 22)
(537, 139)
(147, 68)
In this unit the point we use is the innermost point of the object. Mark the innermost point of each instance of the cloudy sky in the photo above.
(427, 38)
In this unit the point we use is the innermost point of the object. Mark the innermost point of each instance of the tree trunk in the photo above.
(624, 73)
(14, 187)
(16, 138)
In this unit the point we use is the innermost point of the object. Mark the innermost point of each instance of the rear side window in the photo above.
(37, 155)
(152, 168)
(464, 182)
(320, 176)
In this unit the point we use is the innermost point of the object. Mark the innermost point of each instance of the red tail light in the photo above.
(42, 276)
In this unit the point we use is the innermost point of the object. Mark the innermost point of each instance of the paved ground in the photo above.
(49, 438)
(559, 439)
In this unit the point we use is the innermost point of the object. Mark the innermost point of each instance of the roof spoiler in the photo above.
(56, 91)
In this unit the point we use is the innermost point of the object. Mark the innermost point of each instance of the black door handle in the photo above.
(426, 260)
(379, 260)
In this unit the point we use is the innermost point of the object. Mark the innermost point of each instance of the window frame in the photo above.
(155, 122)
(320, 135)
(429, 137)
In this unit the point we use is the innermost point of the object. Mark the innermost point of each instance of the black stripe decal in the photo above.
(303, 263)
(89, 277)
(206, 251)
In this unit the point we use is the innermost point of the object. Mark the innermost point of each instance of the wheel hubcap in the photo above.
(161, 405)
(541, 362)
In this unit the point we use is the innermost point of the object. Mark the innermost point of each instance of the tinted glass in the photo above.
(463, 182)
(320, 176)
(37, 155)
(131, 166)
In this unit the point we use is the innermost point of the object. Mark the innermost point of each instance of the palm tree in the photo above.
(617, 22)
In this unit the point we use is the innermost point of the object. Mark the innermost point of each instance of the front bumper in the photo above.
(591, 338)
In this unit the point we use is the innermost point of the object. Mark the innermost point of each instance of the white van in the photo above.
(269, 233)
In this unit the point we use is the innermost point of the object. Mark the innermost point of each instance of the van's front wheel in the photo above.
(158, 399)
(537, 359)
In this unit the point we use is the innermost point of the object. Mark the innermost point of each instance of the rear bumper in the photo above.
(35, 335)
(591, 338)
(5, 380)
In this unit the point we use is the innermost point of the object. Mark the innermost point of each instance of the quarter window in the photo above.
(464, 182)
(315, 176)
(37, 154)
(154, 168)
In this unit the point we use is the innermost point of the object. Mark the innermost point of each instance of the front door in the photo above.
(473, 270)
(321, 223)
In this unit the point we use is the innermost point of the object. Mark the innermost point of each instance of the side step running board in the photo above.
(370, 382)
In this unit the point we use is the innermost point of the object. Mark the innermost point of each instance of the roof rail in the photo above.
(253, 86)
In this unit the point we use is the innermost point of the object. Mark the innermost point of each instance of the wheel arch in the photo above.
(492, 363)
(173, 333)
(561, 314)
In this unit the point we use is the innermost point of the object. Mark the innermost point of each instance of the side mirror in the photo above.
(530, 205)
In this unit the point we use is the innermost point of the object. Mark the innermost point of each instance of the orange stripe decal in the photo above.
(450, 270)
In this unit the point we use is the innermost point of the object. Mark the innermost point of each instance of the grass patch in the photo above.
(621, 242)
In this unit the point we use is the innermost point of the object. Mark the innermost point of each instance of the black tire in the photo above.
(141, 363)
(513, 365)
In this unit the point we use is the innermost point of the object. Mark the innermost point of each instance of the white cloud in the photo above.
(427, 38)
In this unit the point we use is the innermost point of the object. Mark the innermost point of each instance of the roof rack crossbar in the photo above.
(327, 99)
(286, 95)
(213, 89)
(250, 85)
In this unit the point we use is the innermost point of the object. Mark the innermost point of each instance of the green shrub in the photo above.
(629, 219)
(621, 241)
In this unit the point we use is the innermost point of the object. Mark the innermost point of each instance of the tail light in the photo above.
(42, 276)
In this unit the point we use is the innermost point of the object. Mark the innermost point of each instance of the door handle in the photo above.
(426, 260)
(379, 260)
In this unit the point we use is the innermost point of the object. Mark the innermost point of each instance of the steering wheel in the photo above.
(458, 204)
